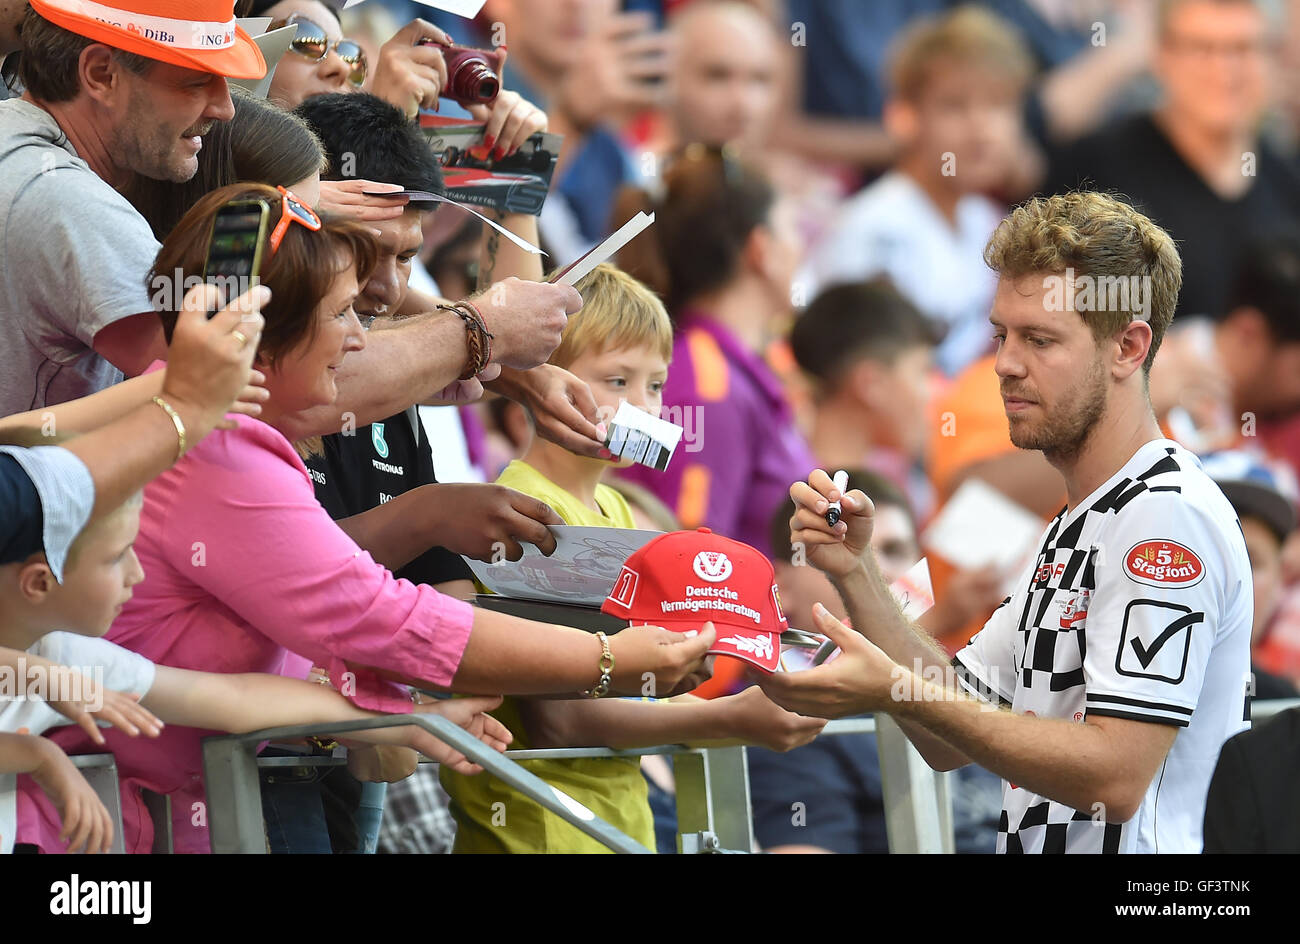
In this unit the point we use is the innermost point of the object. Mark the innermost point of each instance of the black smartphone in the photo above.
(235, 248)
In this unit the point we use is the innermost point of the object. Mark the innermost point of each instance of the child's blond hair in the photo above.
(617, 312)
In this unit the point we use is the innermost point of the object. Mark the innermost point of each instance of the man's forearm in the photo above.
(401, 366)
(1067, 761)
(873, 611)
(414, 302)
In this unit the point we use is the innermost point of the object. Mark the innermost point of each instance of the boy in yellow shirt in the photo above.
(620, 343)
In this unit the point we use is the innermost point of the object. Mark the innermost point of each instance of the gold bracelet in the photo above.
(176, 421)
(606, 669)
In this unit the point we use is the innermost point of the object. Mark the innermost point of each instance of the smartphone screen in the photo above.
(235, 247)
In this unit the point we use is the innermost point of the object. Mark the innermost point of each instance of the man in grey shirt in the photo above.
(108, 97)
(74, 310)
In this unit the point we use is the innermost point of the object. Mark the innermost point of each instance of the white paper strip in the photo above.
(426, 196)
(466, 8)
(594, 257)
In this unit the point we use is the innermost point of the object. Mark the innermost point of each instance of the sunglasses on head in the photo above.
(312, 42)
(292, 210)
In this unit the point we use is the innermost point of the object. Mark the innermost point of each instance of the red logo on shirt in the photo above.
(1075, 611)
(1163, 564)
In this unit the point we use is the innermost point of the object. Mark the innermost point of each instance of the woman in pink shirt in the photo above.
(245, 572)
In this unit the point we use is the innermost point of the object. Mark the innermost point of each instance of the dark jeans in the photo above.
(664, 807)
(319, 810)
(292, 807)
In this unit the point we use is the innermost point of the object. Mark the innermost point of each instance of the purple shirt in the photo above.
(740, 451)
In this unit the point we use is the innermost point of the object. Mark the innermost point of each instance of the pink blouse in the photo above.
(245, 572)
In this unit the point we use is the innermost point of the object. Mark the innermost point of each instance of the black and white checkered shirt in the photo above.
(1138, 606)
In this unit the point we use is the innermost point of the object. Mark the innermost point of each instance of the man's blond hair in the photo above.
(968, 35)
(617, 312)
(1094, 235)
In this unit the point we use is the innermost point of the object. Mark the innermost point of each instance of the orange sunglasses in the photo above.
(292, 210)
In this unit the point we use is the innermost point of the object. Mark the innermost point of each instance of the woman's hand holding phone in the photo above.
(210, 362)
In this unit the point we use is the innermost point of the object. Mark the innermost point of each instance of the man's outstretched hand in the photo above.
(862, 679)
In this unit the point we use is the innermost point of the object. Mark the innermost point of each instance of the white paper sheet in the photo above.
(582, 570)
(273, 45)
(979, 525)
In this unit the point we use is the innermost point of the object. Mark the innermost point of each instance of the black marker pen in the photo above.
(841, 482)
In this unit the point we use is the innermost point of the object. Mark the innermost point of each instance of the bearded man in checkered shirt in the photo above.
(1104, 687)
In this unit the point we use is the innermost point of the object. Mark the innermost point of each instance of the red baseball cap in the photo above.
(683, 579)
(196, 34)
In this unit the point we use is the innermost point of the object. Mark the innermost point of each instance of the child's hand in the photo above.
(756, 719)
(86, 823)
(119, 709)
(471, 714)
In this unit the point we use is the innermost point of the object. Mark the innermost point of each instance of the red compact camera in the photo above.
(471, 73)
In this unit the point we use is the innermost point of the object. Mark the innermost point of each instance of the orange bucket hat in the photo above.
(195, 34)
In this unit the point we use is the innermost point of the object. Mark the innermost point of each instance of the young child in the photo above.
(955, 108)
(98, 577)
(620, 344)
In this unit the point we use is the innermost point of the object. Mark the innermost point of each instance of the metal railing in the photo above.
(713, 807)
(713, 802)
(100, 771)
